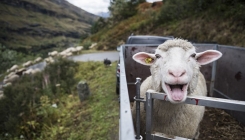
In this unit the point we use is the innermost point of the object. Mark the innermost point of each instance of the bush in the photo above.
(27, 104)
(179, 9)
(87, 44)
(18, 102)
(174, 10)
(62, 72)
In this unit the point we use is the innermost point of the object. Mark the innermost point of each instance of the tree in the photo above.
(98, 25)
(123, 9)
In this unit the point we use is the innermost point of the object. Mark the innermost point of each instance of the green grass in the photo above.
(93, 119)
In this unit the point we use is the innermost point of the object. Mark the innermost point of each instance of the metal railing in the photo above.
(191, 99)
(126, 128)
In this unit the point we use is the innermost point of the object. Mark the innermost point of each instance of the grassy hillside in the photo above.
(34, 107)
(218, 21)
(31, 26)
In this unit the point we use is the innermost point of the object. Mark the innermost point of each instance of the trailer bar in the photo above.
(191, 99)
(126, 131)
(206, 101)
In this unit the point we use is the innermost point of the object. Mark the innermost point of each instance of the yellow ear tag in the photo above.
(148, 60)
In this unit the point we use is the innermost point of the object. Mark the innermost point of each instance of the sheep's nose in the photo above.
(177, 73)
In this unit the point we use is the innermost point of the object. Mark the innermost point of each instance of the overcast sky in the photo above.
(94, 6)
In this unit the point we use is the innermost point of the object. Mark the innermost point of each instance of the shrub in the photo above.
(8, 58)
(27, 104)
(87, 44)
(179, 9)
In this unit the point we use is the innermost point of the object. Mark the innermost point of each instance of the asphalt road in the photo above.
(113, 56)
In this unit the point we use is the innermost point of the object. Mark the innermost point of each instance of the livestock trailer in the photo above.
(225, 80)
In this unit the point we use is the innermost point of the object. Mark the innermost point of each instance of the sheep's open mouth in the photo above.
(177, 92)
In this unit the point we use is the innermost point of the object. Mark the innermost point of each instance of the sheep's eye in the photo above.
(193, 55)
(158, 56)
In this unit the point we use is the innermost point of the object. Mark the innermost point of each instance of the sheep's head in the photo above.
(175, 67)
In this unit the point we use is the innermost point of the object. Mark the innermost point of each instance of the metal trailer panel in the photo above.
(230, 77)
(126, 131)
(134, 69)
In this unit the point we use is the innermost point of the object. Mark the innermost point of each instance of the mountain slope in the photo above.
(31, 26)
(220, 21)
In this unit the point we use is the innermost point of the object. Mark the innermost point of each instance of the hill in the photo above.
(220, 21)
(31, 26)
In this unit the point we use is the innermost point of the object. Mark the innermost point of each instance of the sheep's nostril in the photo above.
(177, 73)
(183, 73)
(172, 74)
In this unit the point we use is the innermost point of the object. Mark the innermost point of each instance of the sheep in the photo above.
(9, 75)
(31, 71)
(27, 64)
(72, 49)
(54, 53)
(20, 71)
(12, 78)
(93, 45)
(62, 53)
(49, 60)
(13, 68)
(27, 72)
(78, 49)
(34, 71)
(67, 55)
(37, 59)
(175, 70)
(67, 52)
(7, 84)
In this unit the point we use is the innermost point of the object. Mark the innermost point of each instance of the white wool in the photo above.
(13, 68)
(37, 59)
(27, 64)
(184, 44)
(54, 53)
(12, 78)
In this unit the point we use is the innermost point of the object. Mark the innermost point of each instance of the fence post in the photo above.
(138, 137)
(213, 74)
(149, 108)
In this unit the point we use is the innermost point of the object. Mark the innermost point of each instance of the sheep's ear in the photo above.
(208, 56)
(144, 58)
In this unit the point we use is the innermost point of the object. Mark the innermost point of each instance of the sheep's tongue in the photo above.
(177, 93)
